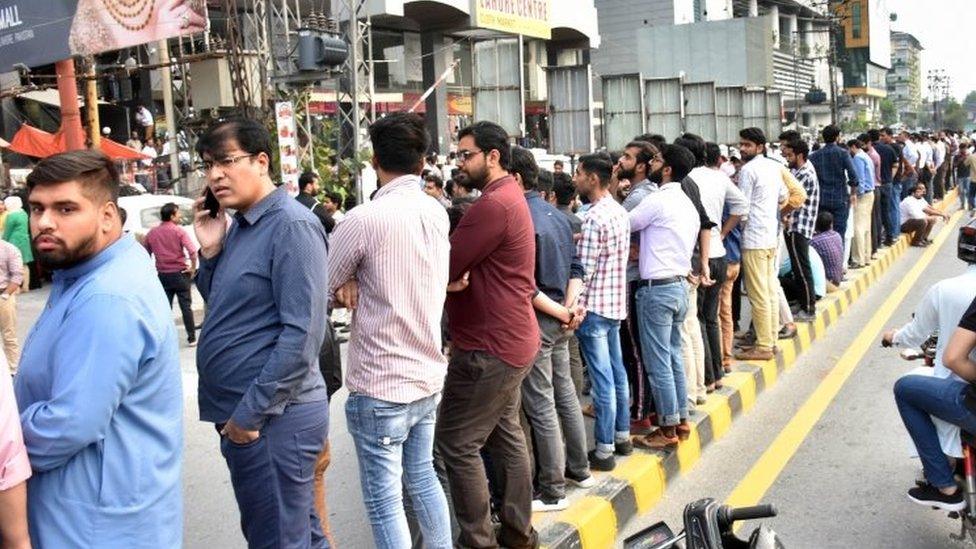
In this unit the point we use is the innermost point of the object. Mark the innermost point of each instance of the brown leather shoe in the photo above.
(754, 353)
(683, 430)
(655, 441)
(589, 411)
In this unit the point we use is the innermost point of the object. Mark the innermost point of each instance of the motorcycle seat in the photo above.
(967, 438)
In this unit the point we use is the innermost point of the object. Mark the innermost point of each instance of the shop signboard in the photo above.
(34, 32)
(525, 17)
(287, 145)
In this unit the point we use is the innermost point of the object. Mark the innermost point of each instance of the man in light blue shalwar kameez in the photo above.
(99, 384)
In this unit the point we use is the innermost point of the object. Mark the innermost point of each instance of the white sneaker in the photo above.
(588, 482)
(541, 506)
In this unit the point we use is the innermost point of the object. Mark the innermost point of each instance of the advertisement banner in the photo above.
(34, 33)
(526, 17)
(287, 146)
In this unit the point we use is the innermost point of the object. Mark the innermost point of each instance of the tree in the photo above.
(954, 116)
(970, 101)
(889, 113)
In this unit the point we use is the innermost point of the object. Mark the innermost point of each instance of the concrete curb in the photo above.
(638, 482)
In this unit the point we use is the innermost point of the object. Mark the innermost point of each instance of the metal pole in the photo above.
(74, 136)
(354, 32)
(167, 82)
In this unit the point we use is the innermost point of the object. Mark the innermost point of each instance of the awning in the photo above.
(31, 141)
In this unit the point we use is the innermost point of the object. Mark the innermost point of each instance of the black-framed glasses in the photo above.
(465, 155)
(224, 163)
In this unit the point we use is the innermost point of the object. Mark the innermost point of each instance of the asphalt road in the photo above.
(846, 485)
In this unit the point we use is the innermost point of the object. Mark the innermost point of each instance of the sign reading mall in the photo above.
(526, 17)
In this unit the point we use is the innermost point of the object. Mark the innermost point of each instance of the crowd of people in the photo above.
(489, 296)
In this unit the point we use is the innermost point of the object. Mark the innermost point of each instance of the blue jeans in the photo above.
(660, 312)
(395, 445)
(918, 398)
(272, 478)
(965, 198)
(599, 339)
(895, 206)
(886, 197)
(840, 210)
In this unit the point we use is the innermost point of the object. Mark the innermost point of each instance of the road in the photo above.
(844, 487)
(846, 484)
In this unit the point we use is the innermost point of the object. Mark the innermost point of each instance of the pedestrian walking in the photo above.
(264, 277)
(99, 387)
(176, 263)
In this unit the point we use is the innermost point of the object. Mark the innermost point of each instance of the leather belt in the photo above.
(660, 281)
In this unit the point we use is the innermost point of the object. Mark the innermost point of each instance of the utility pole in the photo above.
(937, 83)
(74, 136)
(91, 102)
(166, 74)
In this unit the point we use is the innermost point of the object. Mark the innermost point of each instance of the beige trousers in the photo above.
(861, 246)
(8, 327)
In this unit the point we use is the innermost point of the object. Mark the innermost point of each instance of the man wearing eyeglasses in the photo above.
(264, 278)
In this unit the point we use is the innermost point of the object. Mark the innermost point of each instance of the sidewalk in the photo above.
(595, 516)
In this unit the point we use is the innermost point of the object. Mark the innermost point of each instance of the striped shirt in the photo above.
(603, 252)
(396, 248)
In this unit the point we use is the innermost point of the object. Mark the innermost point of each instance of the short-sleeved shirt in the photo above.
(968, 320)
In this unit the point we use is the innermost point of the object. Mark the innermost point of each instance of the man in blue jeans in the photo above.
(941, 391)
(668, 224)
(603, 252)
(390, 260)
(837, 192)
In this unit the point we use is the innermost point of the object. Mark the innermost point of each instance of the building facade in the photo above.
(864, 53)
(905, 77)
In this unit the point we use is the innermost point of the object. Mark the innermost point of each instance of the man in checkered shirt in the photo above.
(799, 226)
(603, 251)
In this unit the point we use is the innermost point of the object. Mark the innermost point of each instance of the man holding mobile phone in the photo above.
(264, 277)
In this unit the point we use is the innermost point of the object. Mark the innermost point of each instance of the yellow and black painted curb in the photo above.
(638, 482)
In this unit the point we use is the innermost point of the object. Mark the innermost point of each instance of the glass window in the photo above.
(396, 60)
(856, 21)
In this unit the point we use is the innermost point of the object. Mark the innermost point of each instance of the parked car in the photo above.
(142, 213)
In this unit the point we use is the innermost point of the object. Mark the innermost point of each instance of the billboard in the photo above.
(36, 33)
(287, 145)
(526, 17)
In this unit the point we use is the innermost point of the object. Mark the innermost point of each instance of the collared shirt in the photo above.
(310, 202)
(865, 172)
(938, 153)
(266, 303)
(717, 192)
(555, 250)
(603, 252)
(830, 247)
(574, 221)
(910, 152)
(14, 465)
(666, 221)
(495, 243)
(11, 265)
(761, 181)
(638, 193)
(396, 247)
(831, 163)
(924, 154)
(913, 208)
(889, 160)
(804, 219)
(171, 246)
(101, 407)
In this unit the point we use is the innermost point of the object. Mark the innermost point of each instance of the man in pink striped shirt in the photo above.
(15, 468)
(395, 251)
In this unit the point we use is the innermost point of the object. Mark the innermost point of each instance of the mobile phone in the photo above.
(210, 203)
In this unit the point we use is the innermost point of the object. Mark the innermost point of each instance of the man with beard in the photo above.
(101, 404)
(496, 338)
(636, 164)
(799, 228)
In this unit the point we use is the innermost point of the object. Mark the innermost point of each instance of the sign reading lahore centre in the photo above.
(527, 17)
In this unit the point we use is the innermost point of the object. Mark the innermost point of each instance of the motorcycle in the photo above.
(708, 525)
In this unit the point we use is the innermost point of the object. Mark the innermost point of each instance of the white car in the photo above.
(142, 213)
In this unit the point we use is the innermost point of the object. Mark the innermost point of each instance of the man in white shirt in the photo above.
(717, 193)
(668, 224)
(918, 217)
(764, 184)
(145, 119)
(149, 150)
(926, 164)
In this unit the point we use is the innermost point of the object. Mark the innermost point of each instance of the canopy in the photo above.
(31, 141)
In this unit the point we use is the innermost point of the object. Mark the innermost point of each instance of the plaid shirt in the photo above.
(804, 219)
(830, 248)
(603, 252)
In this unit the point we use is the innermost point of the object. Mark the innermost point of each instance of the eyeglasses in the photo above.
(224, 163)
(464, 155)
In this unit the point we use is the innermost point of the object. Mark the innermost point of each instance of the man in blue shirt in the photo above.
(101, 404)
(837, 193)
(548, 394)
(861, 246)
(264, 278)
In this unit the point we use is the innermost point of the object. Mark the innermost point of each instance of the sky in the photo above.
(945, 29)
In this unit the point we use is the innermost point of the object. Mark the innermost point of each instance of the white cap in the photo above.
(106, 130)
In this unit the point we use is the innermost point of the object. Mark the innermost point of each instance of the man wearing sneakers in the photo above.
(603, 251)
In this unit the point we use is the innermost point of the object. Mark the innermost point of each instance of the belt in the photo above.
(659, 281)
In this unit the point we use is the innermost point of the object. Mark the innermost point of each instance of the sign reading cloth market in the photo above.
(39, 32)
(527, 17)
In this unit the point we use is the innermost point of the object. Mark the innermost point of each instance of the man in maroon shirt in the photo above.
(172, 247)
(495, 338)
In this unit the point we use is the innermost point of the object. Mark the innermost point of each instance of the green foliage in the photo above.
(954, 115)
(855, 126)
(889, 113)
(970, 101)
